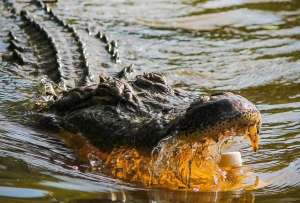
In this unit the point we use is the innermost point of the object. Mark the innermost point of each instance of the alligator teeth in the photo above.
(253, 136)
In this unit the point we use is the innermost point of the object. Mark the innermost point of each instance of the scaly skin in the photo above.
(143, 111)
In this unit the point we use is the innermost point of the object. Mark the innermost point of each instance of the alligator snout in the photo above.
(221, 116)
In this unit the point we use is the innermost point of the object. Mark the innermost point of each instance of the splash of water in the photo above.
(188, 161)
(176, 163)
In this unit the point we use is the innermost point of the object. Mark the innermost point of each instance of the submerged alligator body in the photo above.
(114, 108)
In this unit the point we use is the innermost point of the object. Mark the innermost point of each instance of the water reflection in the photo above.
(13, 192)
(212, 21)
(176, 197)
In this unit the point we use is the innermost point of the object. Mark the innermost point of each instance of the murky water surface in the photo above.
(247, 46)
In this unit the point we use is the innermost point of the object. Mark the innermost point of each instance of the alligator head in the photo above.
(220, 116)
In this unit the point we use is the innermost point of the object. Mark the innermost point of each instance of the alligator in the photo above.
(118, 107)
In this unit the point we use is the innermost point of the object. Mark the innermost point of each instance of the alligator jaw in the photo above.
(250, 130)
(253, 135)
(220, 117)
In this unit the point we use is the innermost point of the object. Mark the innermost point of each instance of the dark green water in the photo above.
(250, 47)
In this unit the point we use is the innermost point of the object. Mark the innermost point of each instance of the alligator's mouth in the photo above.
(247, 125)
(220, 117)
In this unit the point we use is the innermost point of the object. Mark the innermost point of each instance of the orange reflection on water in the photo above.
(175, 164)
